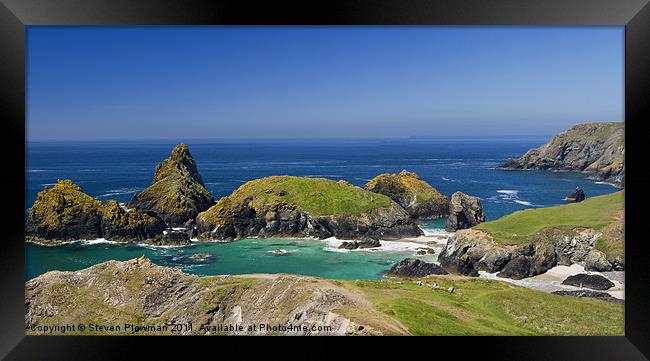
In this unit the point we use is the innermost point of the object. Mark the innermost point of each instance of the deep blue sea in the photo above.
(118, 170)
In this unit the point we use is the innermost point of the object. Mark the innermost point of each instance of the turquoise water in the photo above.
(303, 256)
(118, 170)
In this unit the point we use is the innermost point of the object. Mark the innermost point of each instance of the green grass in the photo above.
(483, 307)
(518, 227)
(318, 196)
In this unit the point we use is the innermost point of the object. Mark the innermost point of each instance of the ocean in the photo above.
(118, 170)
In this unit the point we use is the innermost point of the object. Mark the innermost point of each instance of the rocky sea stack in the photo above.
(576, 196)
(416, 196)
(64, 213)
(176, 194)
(464, 212)
(597, 148)
(299, 207)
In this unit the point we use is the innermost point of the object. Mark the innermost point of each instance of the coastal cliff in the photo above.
(416, 196)
(530, 242)
(176, 194)
(137, 297)
(299, 207)
(595, 148)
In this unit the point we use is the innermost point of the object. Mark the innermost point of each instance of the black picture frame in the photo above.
(15, 15)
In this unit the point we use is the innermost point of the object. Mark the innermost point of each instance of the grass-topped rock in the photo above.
(65, 213)
(530, 242)
(299, 206)
(416, 196)
(176, 194)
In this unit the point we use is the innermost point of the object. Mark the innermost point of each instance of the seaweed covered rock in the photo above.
(64, 213)
(588, 293)
(464, 212)
(416, 196)
(410, 267)
(119, 224)
(176, 194)
(299, 206)
(593, 281)
(597, 148)
(364, 243)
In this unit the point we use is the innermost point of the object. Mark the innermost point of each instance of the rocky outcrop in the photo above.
(593, 294)
(137, 292)
(365, 243)
(120, 224)
(412, 268)
(64, 213)
(464, 212)
(176, 194)
(171, 237)
(576, 196)
(593, 281)
(469, 251)
(416, 196)
(300, 207)
(596, 148)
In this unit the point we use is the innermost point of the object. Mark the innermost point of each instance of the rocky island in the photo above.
(305, 207)
(416, 196)
(64, 213)
(176, 194)
(595, 148)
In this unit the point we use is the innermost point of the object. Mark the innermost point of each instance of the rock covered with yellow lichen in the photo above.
(176, 194)
(416, 196)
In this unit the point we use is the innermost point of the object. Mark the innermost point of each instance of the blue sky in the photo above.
(109, 83)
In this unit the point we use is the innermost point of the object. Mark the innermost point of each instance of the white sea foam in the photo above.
(525, 203)
(119, 192)
(608, 183)
(333, 244)
(508, 191)
(37, 170)
(90, 242)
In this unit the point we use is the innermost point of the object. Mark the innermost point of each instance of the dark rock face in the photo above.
(529, 260)
(595, 282)
(587, 293)
(469, 251)
(365, 243)
(410, 267)
(416, 196)
(236, 220)
(119, 224)
(64, 213)
(464, 212)
(576, 196)
(176, 194)
(597, 148)
(171, 238)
